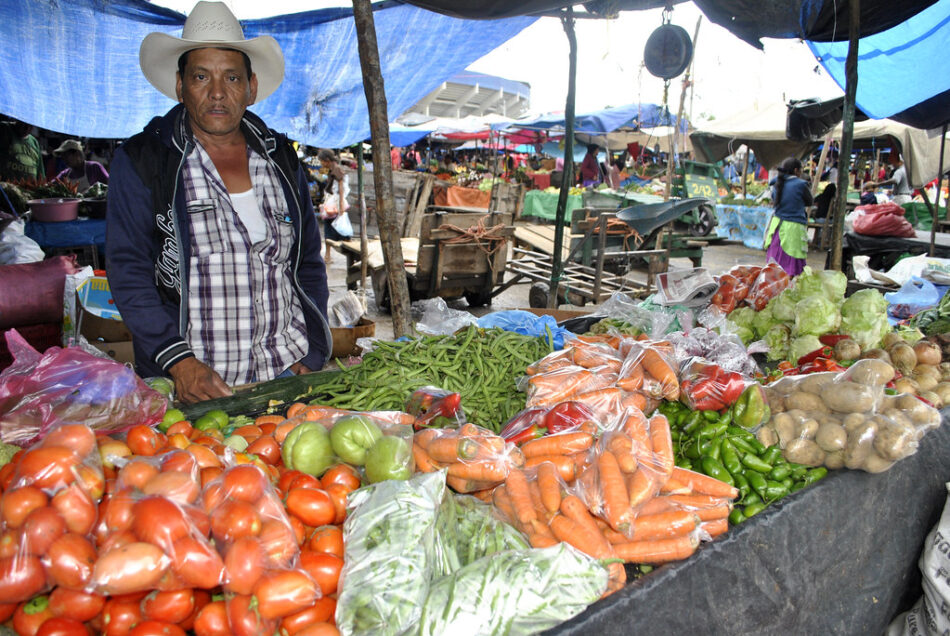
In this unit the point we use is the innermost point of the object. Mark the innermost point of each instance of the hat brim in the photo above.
(159, 53)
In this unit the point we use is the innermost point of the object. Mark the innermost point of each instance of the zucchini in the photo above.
(263, 397)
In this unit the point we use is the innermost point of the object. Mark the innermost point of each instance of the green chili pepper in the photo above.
(710, 448)
(736, 516)
(749, 499)
(780, 472)
(683, 462)
(741, 483)
(772, 454)
(741, 445)
(774, 490)
(753, 509)
(757, 445)
(758, 483)
(797, 486)
(692, 421)
(712, 416)
(729, 457)
(788, 482)
(692, 449)
(716, 470)
(815, 474)
(735, 431)
(713, 429)
(726, 417)
(756, 463)
(798, 471)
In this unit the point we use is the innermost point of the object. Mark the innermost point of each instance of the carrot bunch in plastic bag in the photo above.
(475, 458)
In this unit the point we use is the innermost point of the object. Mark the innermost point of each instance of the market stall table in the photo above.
(457, 196)
(541, 181)
(65, 236)
(544, 205)
(885, 251)
(839, 557)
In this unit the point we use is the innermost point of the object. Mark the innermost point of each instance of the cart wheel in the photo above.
(538, 296)
(478, 298)
(706, 220)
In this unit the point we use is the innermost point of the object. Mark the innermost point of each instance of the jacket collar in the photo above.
(174, 129)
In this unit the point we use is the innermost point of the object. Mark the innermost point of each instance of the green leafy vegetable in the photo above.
(802, 345)
(816, 315)
(783, 306)
(864, 318)
(763, 322)
(777, 338)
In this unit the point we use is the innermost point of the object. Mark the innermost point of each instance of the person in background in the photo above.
(20, 155)
(867, 194)
(824, 200)
(212, 246)
(787, 236)
(335, 190)
(395, 157)
(902, 190)
(590, 168)
(81, 172)
(613, 174)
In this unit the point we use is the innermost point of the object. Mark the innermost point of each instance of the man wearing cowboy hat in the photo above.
(83, 173)
(212, 248)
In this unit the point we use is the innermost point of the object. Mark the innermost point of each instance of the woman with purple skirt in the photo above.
(787, 236)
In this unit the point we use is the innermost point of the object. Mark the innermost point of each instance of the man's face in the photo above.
(74, 159)
(216, 91)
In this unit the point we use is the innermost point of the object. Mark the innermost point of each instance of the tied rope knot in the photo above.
(478, 234)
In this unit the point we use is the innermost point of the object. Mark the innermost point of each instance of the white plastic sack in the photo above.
(438, 319)
(930, 616)
(15, 247)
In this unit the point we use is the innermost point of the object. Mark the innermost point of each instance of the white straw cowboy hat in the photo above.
(210, 25)
(66, 146)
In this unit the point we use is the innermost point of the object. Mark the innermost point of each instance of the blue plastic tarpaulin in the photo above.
(607, 119)
(72, 65)
(900, 68)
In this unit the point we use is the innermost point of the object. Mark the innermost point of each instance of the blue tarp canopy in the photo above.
(402, 137)
(606, 120)
(72, 65)
(901, 71)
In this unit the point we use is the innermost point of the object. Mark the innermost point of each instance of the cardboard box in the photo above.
(99, 321)
(344, 338)
(119, 351)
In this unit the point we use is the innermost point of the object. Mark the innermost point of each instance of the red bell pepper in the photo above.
(521, 422)
(532, 432)
(823, 352)
(831, 339)
(567, 416)
(820, 365)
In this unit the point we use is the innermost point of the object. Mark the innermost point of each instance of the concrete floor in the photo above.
(717, 258)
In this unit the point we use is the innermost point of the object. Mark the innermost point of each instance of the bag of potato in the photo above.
(846, 420)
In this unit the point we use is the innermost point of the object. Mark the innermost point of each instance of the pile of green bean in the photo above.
(480, 364)
(708, 442)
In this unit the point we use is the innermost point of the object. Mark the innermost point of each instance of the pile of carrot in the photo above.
(607, 373)
(628, 502)
(475, 458)
(568, 451)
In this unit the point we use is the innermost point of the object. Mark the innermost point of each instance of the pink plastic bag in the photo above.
(70, 386)
(886, 219)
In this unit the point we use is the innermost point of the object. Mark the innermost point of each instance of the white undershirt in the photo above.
(245, 204)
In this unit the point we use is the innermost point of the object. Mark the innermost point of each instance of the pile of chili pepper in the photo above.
(709, 443)
(818, 361)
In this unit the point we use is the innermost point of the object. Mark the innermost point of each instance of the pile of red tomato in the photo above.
(164, 533)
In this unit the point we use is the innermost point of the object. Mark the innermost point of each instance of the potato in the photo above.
(784, 386)
(807, 429)
(926, 382)
(785, 428)
(871, 371)
(876, 464)
(860, 442)
(893, 441)
(847, 349)
(831, 437)
(804, 451)
(907, 402)
(808, 402)
(943, 391)
(835, 460)
(933, 398)
(917, 411)
(896, 415)
(852, 421)
(767, 436)
(797, 415)
(848, 397)
(776, 402)
(815, 382)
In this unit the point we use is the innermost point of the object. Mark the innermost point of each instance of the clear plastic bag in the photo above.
(437, 319)
(622, 307)
(435, 408)
(769, 283)
(475, 458)
(708, 387)
(68, 385)
(914, 296)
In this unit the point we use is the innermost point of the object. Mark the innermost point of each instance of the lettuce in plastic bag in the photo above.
(742, 317)
(777, 339)
(864, 318)
(803, 345)
(763, 322)
(816, 315)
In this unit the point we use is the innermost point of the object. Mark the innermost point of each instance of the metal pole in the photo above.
(745, 169)
(567, 177)
(936, 207)
(847, 135)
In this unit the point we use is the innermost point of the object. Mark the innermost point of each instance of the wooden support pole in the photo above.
(935, 209)
(567, 177)
(847, 135)
(825, 149)
(386, 217)
(364, 250)
(745, 169)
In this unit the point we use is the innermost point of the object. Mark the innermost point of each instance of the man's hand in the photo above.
(299, 368)
(195, 381)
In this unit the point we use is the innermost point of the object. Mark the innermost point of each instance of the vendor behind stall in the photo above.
(787, 236)
(902, 190)
(590, 167)
(81, 172)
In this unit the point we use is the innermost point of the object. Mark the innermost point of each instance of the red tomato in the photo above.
(6, 611)
(177, 486)
(21, 578)
(92, 480)
(76, 508)
(342, 474)
(304, 481)
(137, 473)
(110, 449)
(212, 620)
(280, 593)
(199, 519)
(300, 530)
(278, 542)
(9, 543)
(244, 619)
(320, 629)
(313, 507)
(48, 468)
(202, 598)
(286, 478)
(265, 447)
(76, 605)
(133, 567)
(41, 528)
(119, 514)
(169, 607)
(203, 455)
(156, 628)
(338, 495)
(72, 558)
(158, 520)
(328, 539)
(233, 520)
(322, 610)
(7, 471)
(324, 568)
(209, 474)
(62, 626)
(243, 565)
(119, 616)
(29, 617)
(117, 540)
(77, 437)
(144, 440)
(181, 462)
(244, 483)
(17, 503)
(212, 496)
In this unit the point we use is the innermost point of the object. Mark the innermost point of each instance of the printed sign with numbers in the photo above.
(701, 186)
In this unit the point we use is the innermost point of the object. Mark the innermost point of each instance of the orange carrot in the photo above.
(469, 486)
(704, 485)
(574, 509)
(664, 525)
(594, 397)
(662, 444)
(268, 419)
(674, 486)
(714, 513)
(483, 495)
(560, 444)
(591, 543)
(657, 551)
(563, 463)
(516, 457)
(613, 536)
(698, 501)
(520, 496)
(635, 400)
(631, 378)
(635, 426)
(640, 487)
(451, 448)
(622, 447)
(541, 541)
(616, 578)
(426, 435)
(502, 501)
(588, 426)
(487, 471)
(549, 486)
(424, 463)
(657, 505)
(659, 368)
(616, 499)
(715, 528)
(294, 409)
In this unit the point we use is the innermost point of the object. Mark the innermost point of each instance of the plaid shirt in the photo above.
(244, 318)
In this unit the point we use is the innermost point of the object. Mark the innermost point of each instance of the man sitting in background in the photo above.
(81, 172)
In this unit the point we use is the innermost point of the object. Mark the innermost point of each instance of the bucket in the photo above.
(344, 338)
(53, 210)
